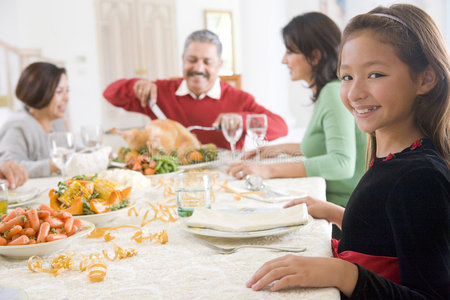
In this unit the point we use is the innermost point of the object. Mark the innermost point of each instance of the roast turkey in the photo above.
(160, 136)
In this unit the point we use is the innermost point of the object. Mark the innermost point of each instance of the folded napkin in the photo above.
(89, 162)
(238, 186)
(238, 222)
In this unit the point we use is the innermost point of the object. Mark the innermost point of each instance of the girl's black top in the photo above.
(401, 208)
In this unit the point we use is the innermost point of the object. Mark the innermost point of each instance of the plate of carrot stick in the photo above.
(28, 232)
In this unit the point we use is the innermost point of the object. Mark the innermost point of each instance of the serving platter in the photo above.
(105, 217)
(41, 249)
(203, 165)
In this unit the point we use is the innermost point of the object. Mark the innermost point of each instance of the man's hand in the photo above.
(143, 89)
(15, 174)
(218, 120)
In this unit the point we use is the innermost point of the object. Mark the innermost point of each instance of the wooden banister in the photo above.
(11, 65)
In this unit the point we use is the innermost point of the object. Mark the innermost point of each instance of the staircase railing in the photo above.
(12, 61)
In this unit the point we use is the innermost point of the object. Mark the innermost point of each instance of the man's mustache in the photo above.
(193, 73)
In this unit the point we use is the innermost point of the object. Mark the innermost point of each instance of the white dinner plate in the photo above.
(238, 235)
(105, 217)
(203, 165)
(10, 292)
(117, 164)
(22, 196)
(25, 251)
(242, 234)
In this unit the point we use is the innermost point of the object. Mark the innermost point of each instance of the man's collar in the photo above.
(213, 93)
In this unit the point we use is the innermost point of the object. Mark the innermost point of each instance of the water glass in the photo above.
(256, 129)
(232, 127)
(92, 136)
(192, 190)
(62, 148)
(3, 196)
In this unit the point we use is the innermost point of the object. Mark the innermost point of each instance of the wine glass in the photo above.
(256, 129)
(92, 136)
(232, 126)
(61, 148)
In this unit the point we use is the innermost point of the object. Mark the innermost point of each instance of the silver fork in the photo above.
(229, 250)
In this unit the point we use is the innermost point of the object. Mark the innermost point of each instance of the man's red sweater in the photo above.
(189, 111)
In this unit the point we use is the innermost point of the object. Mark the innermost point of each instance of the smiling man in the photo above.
(199, 98)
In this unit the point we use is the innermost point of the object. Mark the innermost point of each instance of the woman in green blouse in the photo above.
(333, 146)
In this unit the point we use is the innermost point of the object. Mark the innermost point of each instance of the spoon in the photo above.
(256, 183)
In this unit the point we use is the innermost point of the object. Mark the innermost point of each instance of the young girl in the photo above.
(396, 227)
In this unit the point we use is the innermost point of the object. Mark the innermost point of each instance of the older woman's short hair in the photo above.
(37, 84)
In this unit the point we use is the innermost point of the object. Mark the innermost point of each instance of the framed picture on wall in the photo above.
(221, 23)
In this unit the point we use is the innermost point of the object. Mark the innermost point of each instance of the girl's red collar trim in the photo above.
(390, 156)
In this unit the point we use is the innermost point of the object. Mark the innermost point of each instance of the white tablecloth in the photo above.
(181, 269)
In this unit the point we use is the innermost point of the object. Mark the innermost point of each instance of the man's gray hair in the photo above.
(204, 36)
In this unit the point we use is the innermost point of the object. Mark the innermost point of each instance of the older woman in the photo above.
(43, 89)
(333, 146)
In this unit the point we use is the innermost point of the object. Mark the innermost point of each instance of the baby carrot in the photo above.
(54, 237)
(43, 214)
(19, 220)
(68, 224)
(43, 232)
(9, 216)
(21, 240)
(33, 217)
(13, 231)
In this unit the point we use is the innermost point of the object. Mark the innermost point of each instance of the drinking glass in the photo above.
(192, 190)
(92, 136)
(3, 197)
(62, 148)
(256, 129)
(232, 126)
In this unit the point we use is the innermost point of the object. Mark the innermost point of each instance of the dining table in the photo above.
(183, 267)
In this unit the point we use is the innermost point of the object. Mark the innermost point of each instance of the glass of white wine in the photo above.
(3, 197)
(232, 126)
(62, 148)
(256, 129)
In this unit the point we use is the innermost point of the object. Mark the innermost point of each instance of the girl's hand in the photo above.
(292, 270)
(320, 209)
(242, 169)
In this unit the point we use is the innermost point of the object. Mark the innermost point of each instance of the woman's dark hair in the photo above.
(37, 84)
(311, 31)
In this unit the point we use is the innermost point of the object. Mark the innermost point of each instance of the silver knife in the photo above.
(156, 110)
(218, 127)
